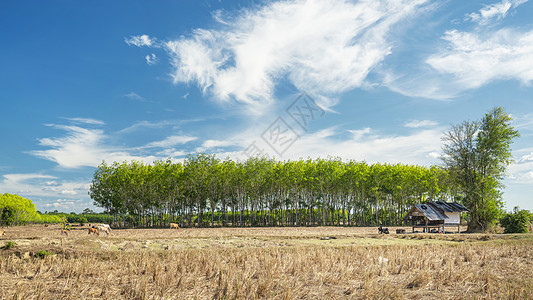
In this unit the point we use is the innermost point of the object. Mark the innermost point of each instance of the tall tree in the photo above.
(477, 155)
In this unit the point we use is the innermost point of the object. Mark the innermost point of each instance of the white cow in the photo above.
(106, 226)
(102, 228)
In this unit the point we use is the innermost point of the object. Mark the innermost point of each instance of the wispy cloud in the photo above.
(419, 123)
(322, 47)
(16, 179)
(494, 12)
(151, 59)
(171, 141)
(134, 96)
(82, 147)
(414, 148)
(522, 169)
(471, 59)
(476, 59)
(67, 205)
(420, 146)
(86, 121)
(38, 186)
(140, 41)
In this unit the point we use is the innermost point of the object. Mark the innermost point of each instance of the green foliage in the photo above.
(74, 218)
(51, 219)
(16, 210)
(476, 157)
(42, 254)
(517, 221)
(205, 191)
(9, 245)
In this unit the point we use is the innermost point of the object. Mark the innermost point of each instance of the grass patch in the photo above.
(42, 254)
(9, 245)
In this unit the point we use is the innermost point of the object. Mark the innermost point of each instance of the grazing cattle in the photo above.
(106, 226)
(2, 232)
(174, 225)
(383, 230)
(65, 232)
(101, 228)
(93, 231)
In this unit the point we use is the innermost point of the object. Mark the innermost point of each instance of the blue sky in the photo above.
(82, 82)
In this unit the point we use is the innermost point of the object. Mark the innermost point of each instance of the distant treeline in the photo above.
(205, 191)
(16, 210)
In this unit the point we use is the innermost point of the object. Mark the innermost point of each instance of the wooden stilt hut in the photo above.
(437, 214)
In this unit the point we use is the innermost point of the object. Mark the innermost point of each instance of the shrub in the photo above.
(516, 221)
(9, 245)
(42, 254)
(82, 220)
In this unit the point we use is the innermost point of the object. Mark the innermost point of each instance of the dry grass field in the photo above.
(266, 263)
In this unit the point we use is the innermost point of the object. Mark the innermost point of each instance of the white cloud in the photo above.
(435, 155)
(208, 144)
(151, 59)
(172, 152)
(149, 125)
(471, 59)
(520, 172)
(475, 59)
(68, 192)
(414, 148)
(52, 183)
(171, 141)
(527, 157)
(134, 96)
(322, 47)
(419, 123)
(140, 41)
(359, 133)
(496, 11)
(86, 121)
(36, 186)
(21, 183)
(364, 144)
(78, 148)
(82, 147)
(65, 205)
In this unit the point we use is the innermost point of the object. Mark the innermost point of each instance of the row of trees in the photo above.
(206, 191)
(261, 191)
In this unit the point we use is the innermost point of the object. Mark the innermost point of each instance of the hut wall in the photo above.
(453, 218)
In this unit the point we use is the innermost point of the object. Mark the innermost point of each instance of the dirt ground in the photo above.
(262, 263)
(32, 237)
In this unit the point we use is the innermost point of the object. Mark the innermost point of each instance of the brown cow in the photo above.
(93, 231)
(65, 232)
(174, 225)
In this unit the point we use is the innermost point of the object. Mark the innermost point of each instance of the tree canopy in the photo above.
(206, 191)
(477, 153)
(16, 210)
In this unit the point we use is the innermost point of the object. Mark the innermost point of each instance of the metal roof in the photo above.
(437, 210)
(449, 206)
